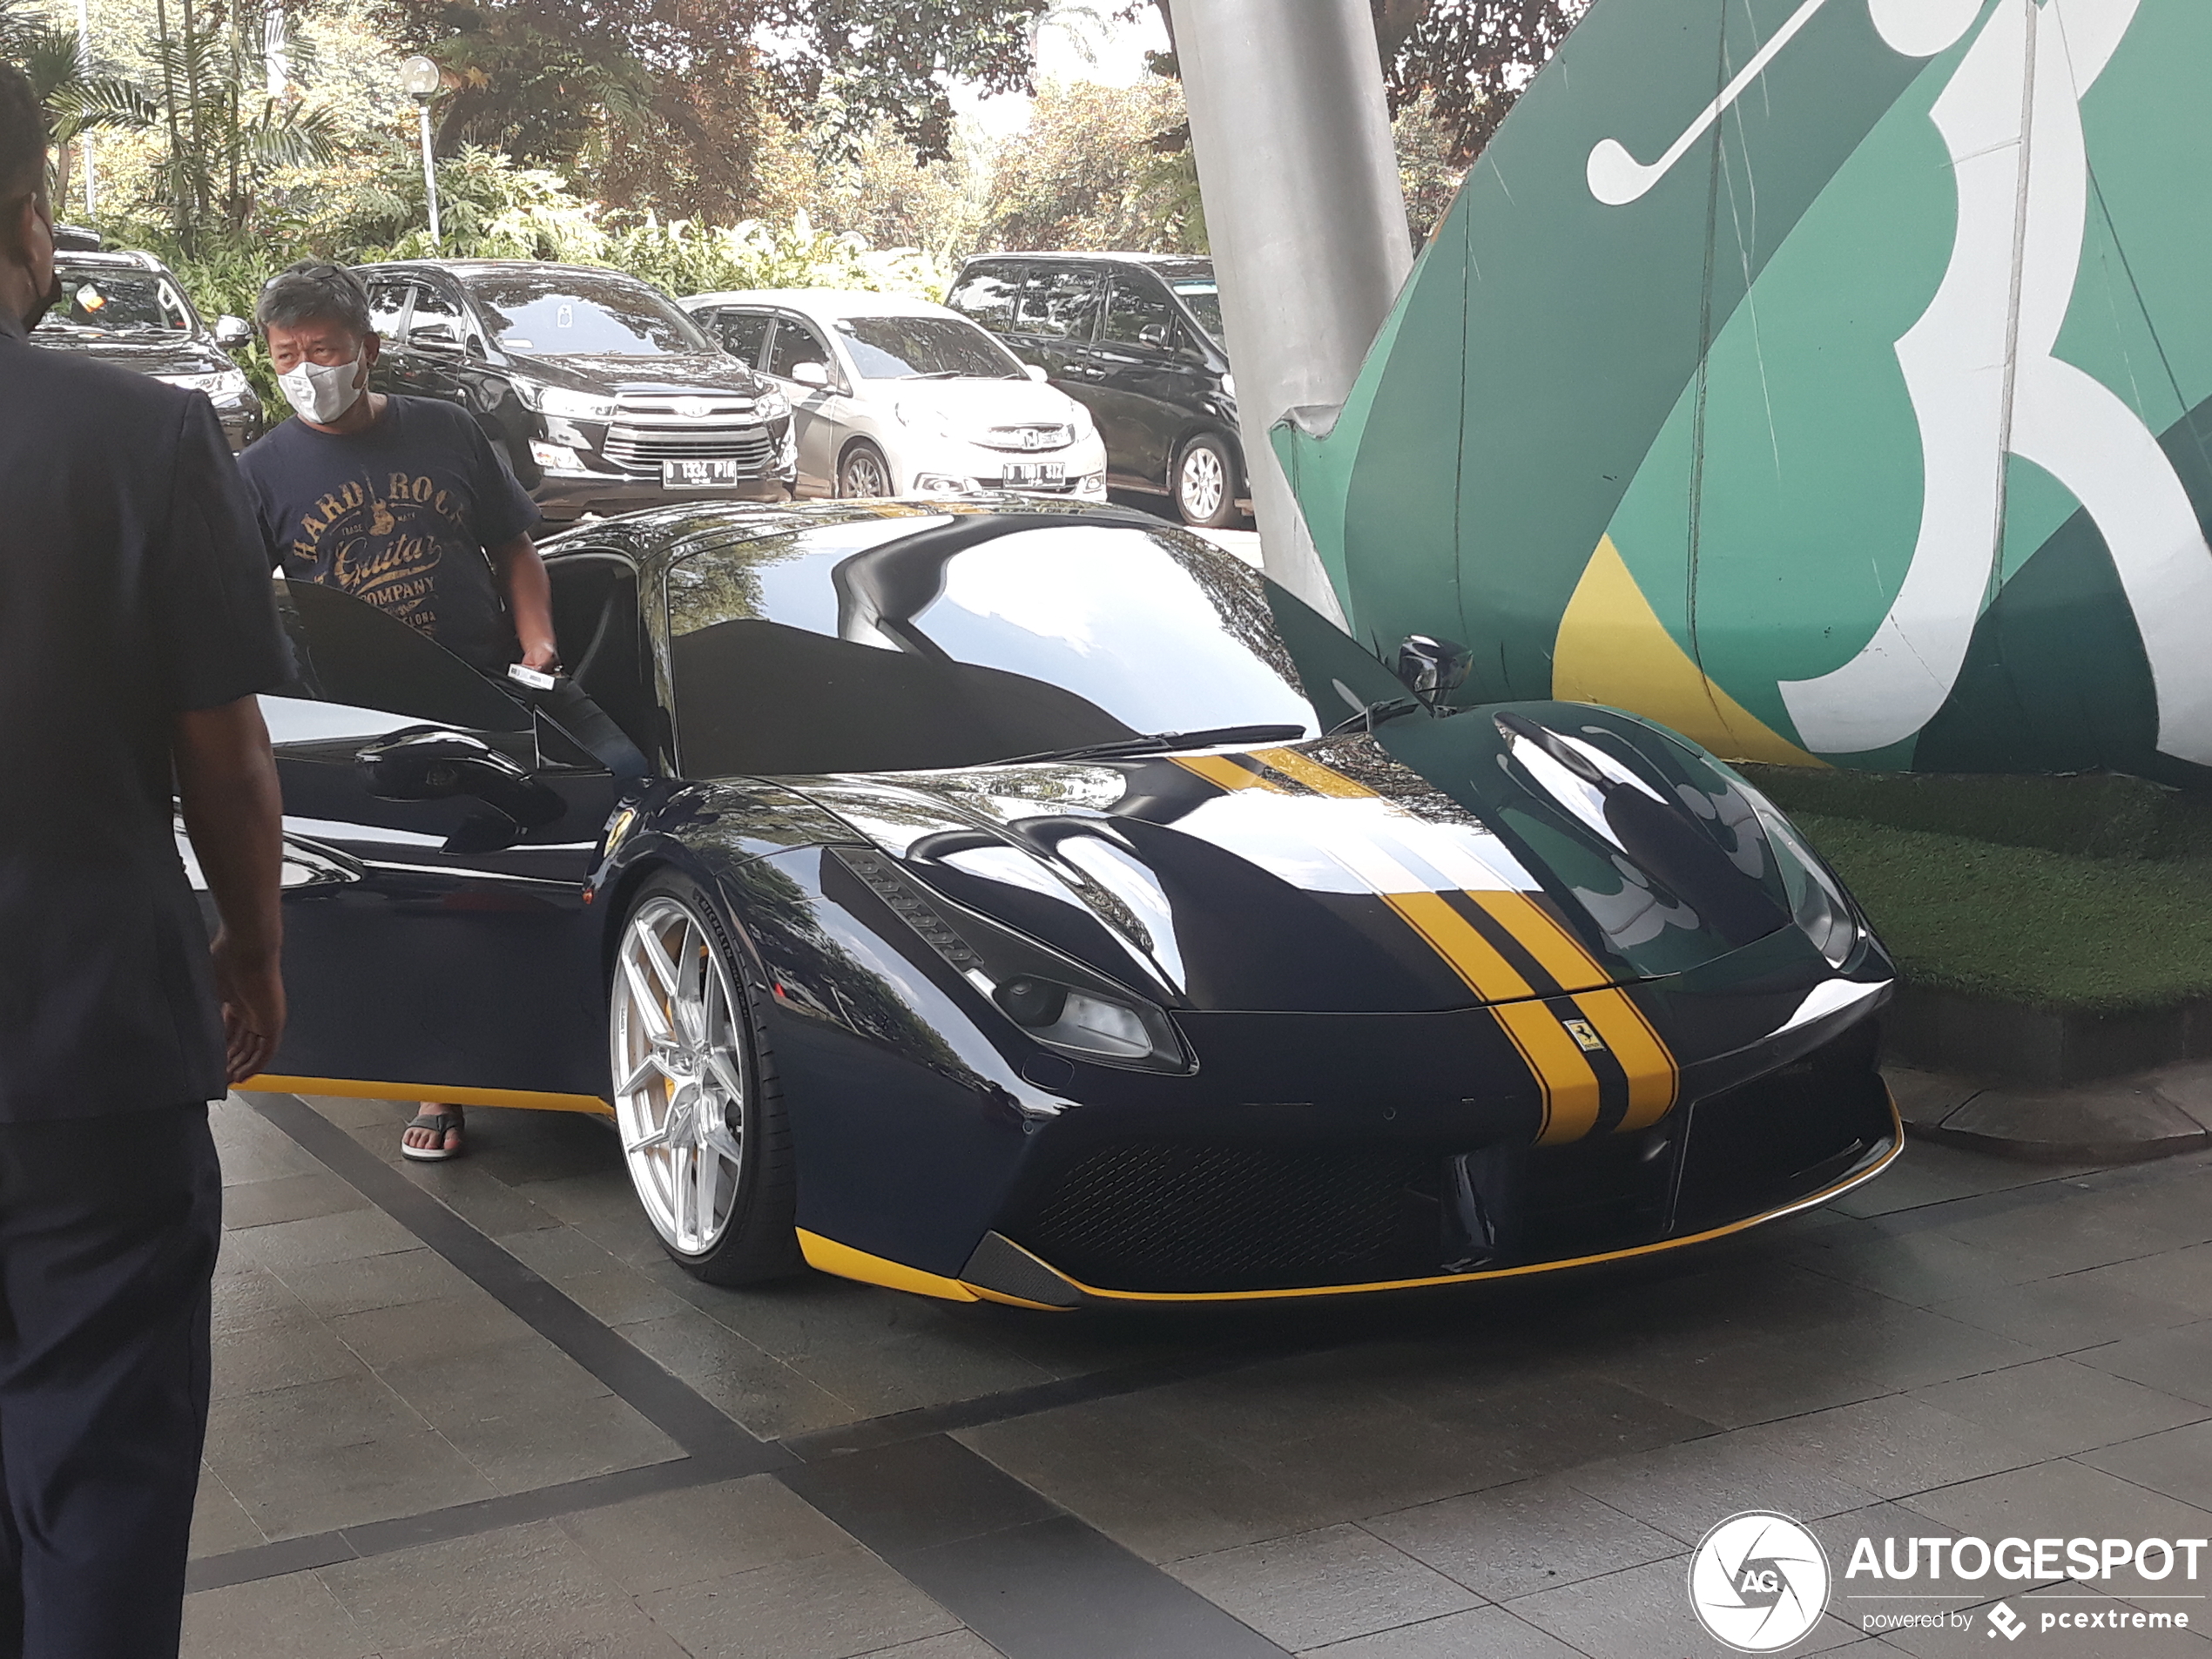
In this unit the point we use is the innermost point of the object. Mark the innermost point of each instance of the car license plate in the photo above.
(674, 474)
(1034, 472)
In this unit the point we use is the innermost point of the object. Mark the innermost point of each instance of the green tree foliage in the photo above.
(1468, 59)
(661, 102)
(1086, 174)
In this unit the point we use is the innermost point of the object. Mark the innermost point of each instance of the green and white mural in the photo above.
(1828, 379)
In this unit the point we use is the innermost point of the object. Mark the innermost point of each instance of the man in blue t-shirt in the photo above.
(400, 501)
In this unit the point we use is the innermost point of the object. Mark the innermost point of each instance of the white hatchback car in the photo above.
(895, 396)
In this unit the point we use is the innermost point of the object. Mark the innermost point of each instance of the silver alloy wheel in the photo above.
(1201, 483)
(681, 1083)
(865, 476)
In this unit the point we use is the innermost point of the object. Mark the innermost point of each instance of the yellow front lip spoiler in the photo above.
(843, 1260)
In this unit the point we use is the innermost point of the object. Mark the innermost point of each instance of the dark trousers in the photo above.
(108, 1232)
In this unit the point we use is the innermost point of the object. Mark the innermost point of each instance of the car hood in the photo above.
(1332, 875)
(603, 375)
(973, 405)
(153, 356)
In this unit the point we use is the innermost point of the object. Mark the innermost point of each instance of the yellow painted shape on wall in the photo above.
(1613, 649)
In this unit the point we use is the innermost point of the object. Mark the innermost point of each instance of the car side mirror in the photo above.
(814, 375)
(1433, 669)
(1034, 372)
(435, 337)
(1155, 334)
(233, 333)
(432, 763)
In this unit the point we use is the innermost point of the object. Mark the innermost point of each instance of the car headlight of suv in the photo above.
(558, 399)
(221, 385)
(1054, 999)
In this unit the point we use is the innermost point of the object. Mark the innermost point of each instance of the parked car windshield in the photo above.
(890, 644)
(909, 349)
(102, 300)
(544, 313)
(1203, 296)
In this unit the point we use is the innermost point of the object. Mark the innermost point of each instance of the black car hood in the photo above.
(1327, 876)
(155, 355)
(705, 372)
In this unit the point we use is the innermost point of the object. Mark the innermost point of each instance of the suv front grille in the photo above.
(641, 448)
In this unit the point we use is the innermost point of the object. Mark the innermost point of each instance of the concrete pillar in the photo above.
(1306, 217)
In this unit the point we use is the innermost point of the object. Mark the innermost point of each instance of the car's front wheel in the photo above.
(695, 1097)
(1205, 483)
(862, 473)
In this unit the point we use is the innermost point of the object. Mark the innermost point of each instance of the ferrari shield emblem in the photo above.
(1585, 1035)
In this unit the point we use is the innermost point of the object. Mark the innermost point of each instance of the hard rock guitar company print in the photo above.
(382, 546)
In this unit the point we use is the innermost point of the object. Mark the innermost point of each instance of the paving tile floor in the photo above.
(1967, 1346)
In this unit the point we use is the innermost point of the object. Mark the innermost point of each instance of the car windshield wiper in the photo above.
(937, 374)
(1375, 714)
(1161, 742)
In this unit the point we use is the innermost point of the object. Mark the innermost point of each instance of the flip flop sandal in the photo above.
(442, 1123)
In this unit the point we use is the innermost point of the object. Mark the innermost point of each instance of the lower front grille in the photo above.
(1190, 1217)
(1784, 1135)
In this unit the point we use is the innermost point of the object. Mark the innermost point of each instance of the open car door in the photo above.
(439, 834)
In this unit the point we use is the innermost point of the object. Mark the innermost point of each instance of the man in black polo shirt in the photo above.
(400, 501)
(136, 623)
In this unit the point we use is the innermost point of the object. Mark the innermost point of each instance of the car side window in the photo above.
(795, 342)
(986, 295)
(1059, 301)
(345, 650)
(1137, 314)
(387, 306)
(437, 320)
(744, 334)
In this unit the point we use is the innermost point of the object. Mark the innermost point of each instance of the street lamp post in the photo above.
(420, 80)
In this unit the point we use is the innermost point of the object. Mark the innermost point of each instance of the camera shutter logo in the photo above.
(1758, 1582)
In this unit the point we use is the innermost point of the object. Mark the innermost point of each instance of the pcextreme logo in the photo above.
(1758, 1582)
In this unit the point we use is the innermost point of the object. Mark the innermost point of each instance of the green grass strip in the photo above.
(2023, 924)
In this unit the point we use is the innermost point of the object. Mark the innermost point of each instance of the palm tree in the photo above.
(76, 100)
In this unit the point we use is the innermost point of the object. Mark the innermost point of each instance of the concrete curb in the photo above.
(2150, 1114)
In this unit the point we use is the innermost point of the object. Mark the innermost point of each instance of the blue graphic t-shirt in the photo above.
(399, 517)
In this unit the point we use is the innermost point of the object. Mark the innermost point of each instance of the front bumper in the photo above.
(947, 467)
(564, 497)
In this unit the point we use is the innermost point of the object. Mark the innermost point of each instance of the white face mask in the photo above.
(322, 392)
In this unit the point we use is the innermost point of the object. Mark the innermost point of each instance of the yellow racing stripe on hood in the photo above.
(1223, 771)
(1655, 1080)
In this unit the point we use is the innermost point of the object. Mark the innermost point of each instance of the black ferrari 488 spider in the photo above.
(1037, 905)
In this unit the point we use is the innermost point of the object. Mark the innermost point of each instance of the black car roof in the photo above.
(485, 267)
(1161, 264)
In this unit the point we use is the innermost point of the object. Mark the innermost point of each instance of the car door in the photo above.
(434, 355)
(436, 933)
(986, 292)
(390, 298)
(817, 412)
(1145, 391)
(743, 331)
(1055, 318)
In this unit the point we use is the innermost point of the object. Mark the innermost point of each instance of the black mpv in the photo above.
(1136, 338)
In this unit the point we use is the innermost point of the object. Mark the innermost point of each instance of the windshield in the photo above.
(548, 313)
(911, 643)
(1203, 296)
(110, 301)
(905, 348)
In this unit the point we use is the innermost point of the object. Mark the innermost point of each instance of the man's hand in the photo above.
(226, 785)
(251, 983)
(521, 576)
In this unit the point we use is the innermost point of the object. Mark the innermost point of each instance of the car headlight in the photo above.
(1054, 999)
(1229, 386)
(922, 417)
(1817, 905)
(772, 405)
(1080, 428)
(220, 384)
(558, 399)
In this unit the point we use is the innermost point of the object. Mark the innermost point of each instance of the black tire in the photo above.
(862, 473)
(1203, 484)
(758, 1239)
